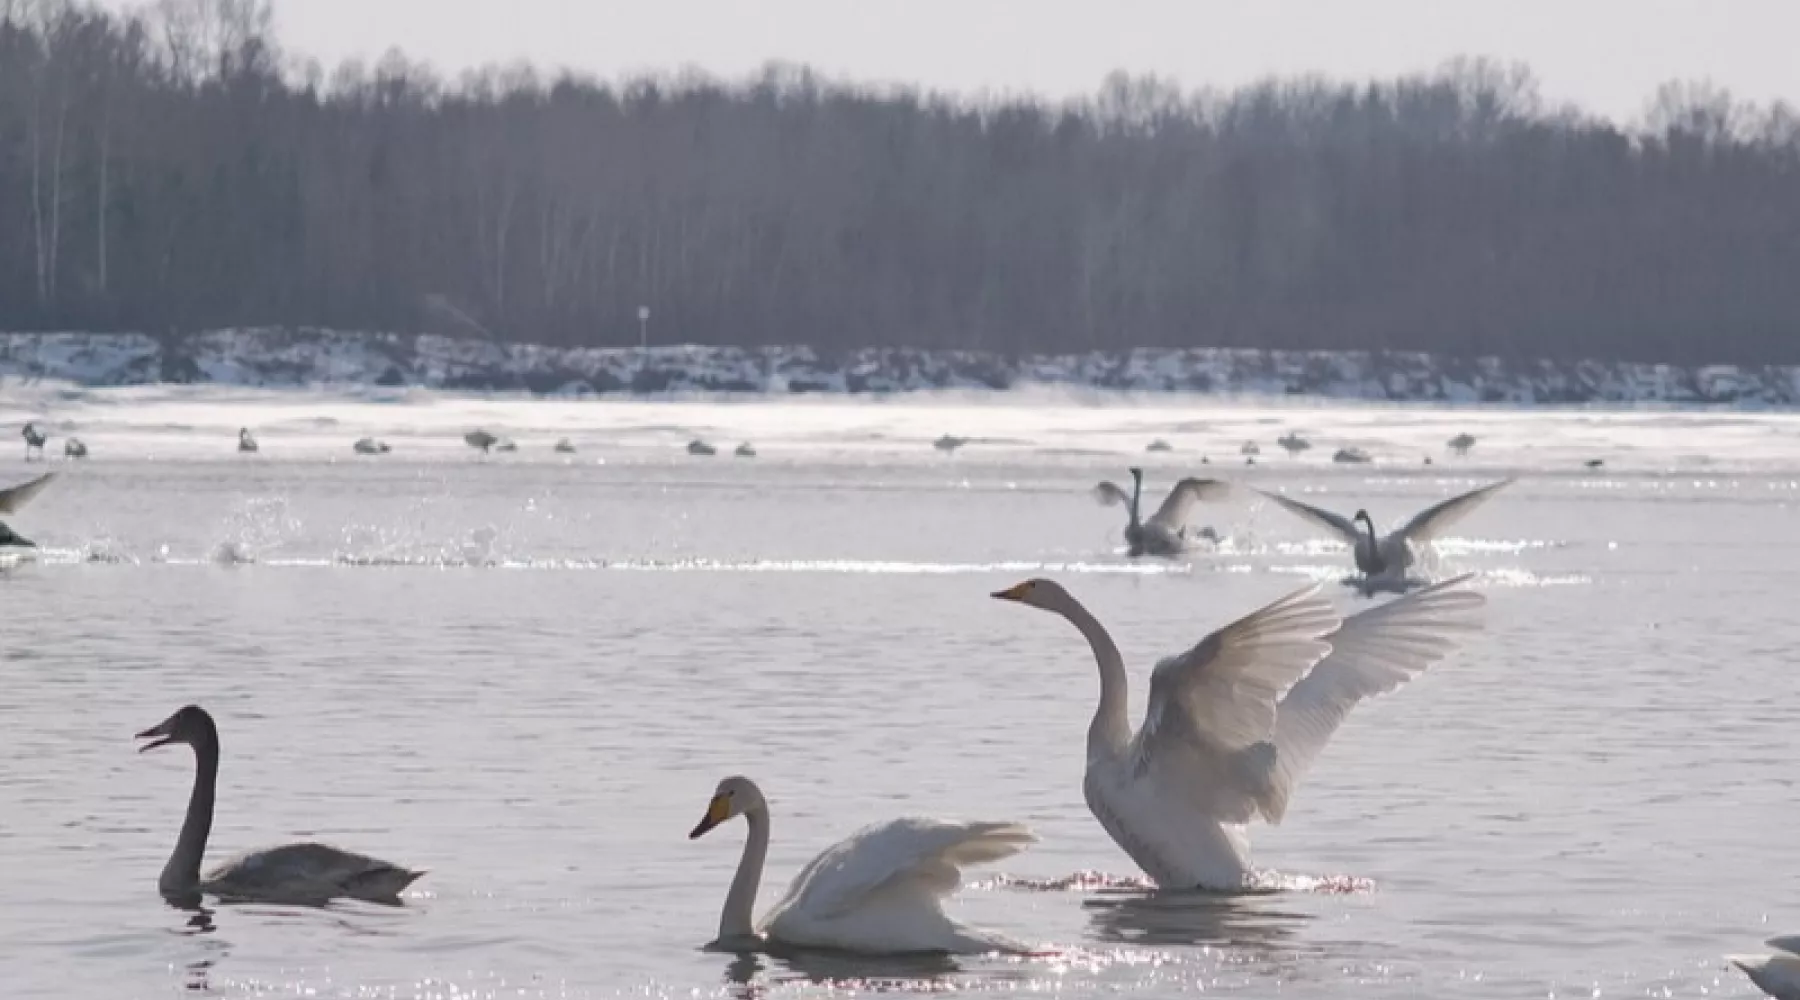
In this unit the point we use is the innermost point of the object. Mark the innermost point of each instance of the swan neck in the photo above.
(738, 920)
(1374, 562)
(1110, 728)
(1137, 492)
(182, 873)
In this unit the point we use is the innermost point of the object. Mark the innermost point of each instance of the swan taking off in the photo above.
(1461, 443)
(1164, 533)
(307, 874)
(1293, 443)
(1217, 749)
(879, 891)
(1384, 560)
(246, 443)
(1778, 975)
(13, 500)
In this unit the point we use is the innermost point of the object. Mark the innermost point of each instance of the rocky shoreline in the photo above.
(272, 357)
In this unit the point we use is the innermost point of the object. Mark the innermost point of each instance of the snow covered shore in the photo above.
(308, 357)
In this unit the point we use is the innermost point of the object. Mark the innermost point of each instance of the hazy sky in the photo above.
(1607, 55)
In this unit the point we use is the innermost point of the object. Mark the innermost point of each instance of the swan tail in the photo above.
(987, 842)
(1258, 773)
(382, 885)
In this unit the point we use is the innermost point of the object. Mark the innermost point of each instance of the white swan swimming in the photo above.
(310, 874)
(1217, 749)
(12, 500)
(1384, 561)
(1163, 533)
(878, 891)
(1778, 974)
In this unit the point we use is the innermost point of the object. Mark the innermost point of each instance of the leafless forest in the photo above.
(175, 169)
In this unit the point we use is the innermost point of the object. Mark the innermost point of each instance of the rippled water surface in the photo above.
(526, 672)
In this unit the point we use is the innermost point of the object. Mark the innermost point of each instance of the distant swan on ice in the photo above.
(1383, 561)
(879, 891)
(34, 440)
(370, 446)
(293, 873)
(1163, 533)
(1778, 974)
(246, 443)
(1217, 749)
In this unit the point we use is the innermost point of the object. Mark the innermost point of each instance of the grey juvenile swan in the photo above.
(1232, 723)
(307, 874)
(1163, 533)
(1383, 560)
(12, 500)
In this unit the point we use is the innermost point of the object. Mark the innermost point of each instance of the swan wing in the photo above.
(310, 869)
(1374, 652)
(1344, 527)
(1778, 975)
(1789, 943)
(1174, 510)
(915, 852)
(1427, 523)
(12, 500)
(1219, 697)
(1108, 494)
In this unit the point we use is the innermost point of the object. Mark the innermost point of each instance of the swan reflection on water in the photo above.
(757, 971)
(1254, 921)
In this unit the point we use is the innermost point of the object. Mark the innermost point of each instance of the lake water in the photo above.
(526, 672)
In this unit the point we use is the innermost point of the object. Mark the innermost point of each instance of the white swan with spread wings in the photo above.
(879, 891)
(1384, 560)
(1163, 533)
(1221, 743)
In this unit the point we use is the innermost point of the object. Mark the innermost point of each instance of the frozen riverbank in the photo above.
(291, 358)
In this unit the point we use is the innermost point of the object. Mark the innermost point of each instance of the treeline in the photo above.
(172, 170)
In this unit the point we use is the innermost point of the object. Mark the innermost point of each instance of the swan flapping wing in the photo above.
(1219, 696)
(1345, 528)
(1374, 652)
(1778, 975)
(1427, 523)
(12, 500)
(1174, 510)
(1109, 494)
(918, 852)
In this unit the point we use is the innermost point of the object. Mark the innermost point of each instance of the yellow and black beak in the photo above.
(1016, 592)
(717, 811)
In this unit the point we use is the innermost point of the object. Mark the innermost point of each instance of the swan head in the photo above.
(735, 796)
(1137, 473)
(190, 725)
(1363, 516)
(1038, 593)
